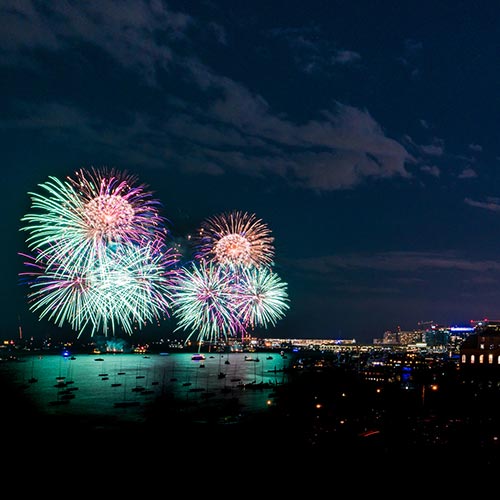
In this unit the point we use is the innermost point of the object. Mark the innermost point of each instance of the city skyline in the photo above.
(364, 136)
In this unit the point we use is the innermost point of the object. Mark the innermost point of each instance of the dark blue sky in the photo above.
(364, 134)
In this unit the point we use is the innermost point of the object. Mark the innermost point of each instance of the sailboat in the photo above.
(221, 373)
(32, 379)
(126, 403)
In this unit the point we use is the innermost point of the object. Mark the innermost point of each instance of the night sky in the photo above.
(364, 134)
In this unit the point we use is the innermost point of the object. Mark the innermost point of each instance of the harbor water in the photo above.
(125, 386)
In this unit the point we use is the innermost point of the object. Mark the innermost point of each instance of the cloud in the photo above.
(346, 56)
(393, 262)
(225, 127)
(435, 149)
(413, 46)
(493, 204)
(467, 173)
(431, 169)
(126, 30)
(411, 276)
(312, 52)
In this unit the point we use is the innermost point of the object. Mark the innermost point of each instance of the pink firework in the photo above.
(79, 218)
(114, 208)
(236, 239)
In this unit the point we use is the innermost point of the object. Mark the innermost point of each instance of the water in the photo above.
(125, 385)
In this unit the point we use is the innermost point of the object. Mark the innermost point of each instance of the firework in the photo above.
(126, 288)
(99, 259)
(77, 219)
(216, 302)
(203, 302)
(236, 239)
(262, 297)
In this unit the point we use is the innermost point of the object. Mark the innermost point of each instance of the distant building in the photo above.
(400, 337)
(411, 337)
(430, 334)
(457, 334)
(389, 338)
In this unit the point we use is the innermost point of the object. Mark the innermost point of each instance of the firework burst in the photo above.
(261, 296)
(126, 288)
(236, 239)
(99, 258)
(203, 302)
(77, 219)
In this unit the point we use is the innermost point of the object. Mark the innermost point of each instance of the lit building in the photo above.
(481, 350)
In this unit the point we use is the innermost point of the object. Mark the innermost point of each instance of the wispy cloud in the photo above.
(431, 169)
(492, 204)
(394, 262)
(467, 173)
(312, 52)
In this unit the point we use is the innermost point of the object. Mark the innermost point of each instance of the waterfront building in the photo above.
(481, 350)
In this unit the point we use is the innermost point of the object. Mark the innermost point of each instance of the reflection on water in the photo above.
(124, 385)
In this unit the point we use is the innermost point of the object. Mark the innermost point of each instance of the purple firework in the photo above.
(204, 301)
